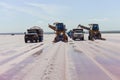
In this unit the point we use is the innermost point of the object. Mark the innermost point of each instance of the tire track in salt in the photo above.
(89, 53)
(9, 65)
(19, 54)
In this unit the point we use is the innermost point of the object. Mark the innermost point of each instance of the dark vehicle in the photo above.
(12, 34)
(34, 34)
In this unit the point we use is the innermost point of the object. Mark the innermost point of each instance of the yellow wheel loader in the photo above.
(94, 32)
(60, 31)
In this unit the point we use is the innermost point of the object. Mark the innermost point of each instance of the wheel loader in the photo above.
(60, 31)
(94, 32)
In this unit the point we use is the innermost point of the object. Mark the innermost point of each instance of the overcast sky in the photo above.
(18, 15)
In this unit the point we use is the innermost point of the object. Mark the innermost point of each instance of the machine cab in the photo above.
(60, 27)
(94, 27)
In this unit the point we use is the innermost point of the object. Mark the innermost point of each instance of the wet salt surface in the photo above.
(8, 52)
(18, 67)
(110, 64)
(83, 67)
(15, 56)
(10, 74)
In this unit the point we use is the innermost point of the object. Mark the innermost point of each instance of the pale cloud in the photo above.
(5, 5)
(99, 19)
(49, 8)
(24, 9)
(49, 12)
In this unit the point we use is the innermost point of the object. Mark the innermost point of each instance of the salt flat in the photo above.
(75, 60)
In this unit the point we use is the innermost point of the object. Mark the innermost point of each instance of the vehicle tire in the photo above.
(74, 38)
(25, 40)
(82, 38)
(40, 39)
(99, 35)
(55, 40)
(89, 38)
(36, 40)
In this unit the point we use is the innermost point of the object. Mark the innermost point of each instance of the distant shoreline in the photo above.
(22, 33)
(53, 33)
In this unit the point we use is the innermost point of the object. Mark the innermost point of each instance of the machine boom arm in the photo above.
(84, 27)
(52, 27)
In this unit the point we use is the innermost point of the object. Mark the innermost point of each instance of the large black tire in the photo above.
(99, 35)
(89, 38)
(41, 39)
(66, 40)
(74, 38)
(82, 38)
(25, 40)
(36, 40)
(56, 39)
